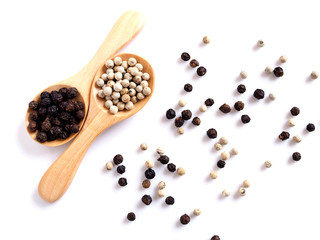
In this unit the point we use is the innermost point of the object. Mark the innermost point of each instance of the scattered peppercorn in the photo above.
(245, 119)
(121, 169)
(161, 185)
(213, 174)
(109, 165)
(188, 87)
(241, 88)
(260, 43)
(146, 183)
(215, 237)
(242, 191)
(209, 102)
(225, 193)
(272, 96)
(146, 199)
(169, 200)
(196, 121)
(180, 130)
(196, 212)
(212, 133)
(185, 56)
(186, 114)
(171, 167)
(181, 171)
(206, 40)
(178, 122)
(246, 183)
(243, 74)
(284, 135)
(194, 63)
(225, 155)
(221, 164)
(296, 156)
(314, 74)
(218, 146)
(170, 114)
(118, 159)
(258, 94)
(278, 72)
(131, 216)
(310, 127)
(160, 150)
(225, 108)
(283, 58)
(297, 138)
(182, 103)
(239, 105)
(149, 173)
(164, 159)
(295, 111)
(203, 108)
(184, 219)
(143, 146)
(122, 182)
(201, 71)
(268, 164)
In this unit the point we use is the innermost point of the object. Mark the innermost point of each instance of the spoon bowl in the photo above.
(59, 176)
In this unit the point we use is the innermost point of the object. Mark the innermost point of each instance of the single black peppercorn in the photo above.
(55, 131)
(169, 200)
(41, 137)
(79, 115)
(225, 108)
(46, 125)
(74, 128)
(194, 63)
(33, 105)
(34, 116)
(185, 56)
(296, 156)
(63, 91)
(122, 182)
(188, 87)
(164, 159)
(121, 169)
(241, 88)
(184, 219)
(245, 119)
(42, 111)
(70, 107)
(258, 94)
(284, 136)
(186, 114)
(215, 237)
(64, 134)
(32, 126)
(212, 133)
(170, 114)
(295, 111)
(201, 71)
(146, 199)
(55, 121)
(239, 105)
(278, 72)
(117, 159)
(45, 102)
(149, 173)
(65, 116)
(44, 94)
(171, 167)
(196, 121)
(72, 93)
(79, 105)
(209, 102)
(221, 164)
(310, 127)
(131, 216)
(178, 122)
(56, 97)
(52, 110)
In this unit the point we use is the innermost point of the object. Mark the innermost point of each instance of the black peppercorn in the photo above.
(164, 159)
(45, 102)
(121, 169)
(245, 119)
(70, 107)
(296, 156)
(295, 111)
(201, 71)
(34, 116)
(215, 237)
(74, 128)
(196, 121)
(46, 125)
(209, 102)
(79, 105)
(194, 63)
(56, 97)
(221, 164)
(171, 167)
(149, 173)
(284, 136)
(185, 56)
(79, 115)
(188, 87)
(52, 110)
(212, 133)
(55, 131)
(64, 134)
(278, 72)
(42, 111)
(33, 105)
(241, 88)
(41, 137)
(131, 216)
(170, 114)
(184, 219)
(122, 182)
(72, 93)
(44, 94)
(146, 199)
(258, 94)
(55, 121)
(178, 122)
(239, 105)
(117, 159)
(310, 127)
(32, 126)
(225, 108)
(186, 114)
(65, 116)
(169, 200)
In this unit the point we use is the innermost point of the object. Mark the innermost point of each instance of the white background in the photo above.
(43, 43)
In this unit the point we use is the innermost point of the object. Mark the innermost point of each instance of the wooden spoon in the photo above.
(127, 26)
(58, 177)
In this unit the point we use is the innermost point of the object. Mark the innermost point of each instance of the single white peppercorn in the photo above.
(111, 76)
(144, 84)
(283, 58)
(139, 66)
(118, 76)
(108, 104)
(132, 85)
(100, 82)
(132, 62)
(127, 76)
(203, 108)
(125, 83)
(110, 83)
(272, 96)
(109, 64)
(109, 165)
(140, 96)
(268, 69)
(124, 64)
(125, 98)
(181, 171)
(139, 88)
(115, 95)
(101, 94)
(132, 92)
(242, 191)
(160, 150)
(180, 130)
(149, 164)
(117, 61)
(143, 146)
(260, 43)
(121, 70)
(107, 91)
(137, 79)
(145, 76)
(291, 122)
(314, 74)
(109, 70)
(206, 40)
(129, 105)
(225, 155)
(234, 151)
(297, 138)
(213, 174)
(115, 101)
(124, 91)
(161, 185)
(223, 141)
(246, 183)
(120, 106)
(104, 77)
(197, 212)
(113, 109)
(117, 87)
(134, 100)
(182, 103)
(218, 146)
(243, 74)
(161, 193)
(225, 193)
(146, 91)
(268, 164)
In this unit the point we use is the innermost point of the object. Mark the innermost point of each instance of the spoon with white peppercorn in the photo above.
(59, 176)
(126, 27)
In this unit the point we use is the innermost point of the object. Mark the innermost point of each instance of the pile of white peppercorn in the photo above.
(123, 84)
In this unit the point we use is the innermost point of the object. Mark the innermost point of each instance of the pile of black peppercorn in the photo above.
(56, 115)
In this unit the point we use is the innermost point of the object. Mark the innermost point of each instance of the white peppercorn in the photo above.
(101, 94)
(137, 79)
(144, 84)
(115, 95)
(132, 62)
(143, 146)
(132, 85)
(225, 155)
(111, 76)
(115, 101)
(107, 91)
(104, 76)
(197, 212)
(109, 64)
(161, 185)
(297, 138)
(113, 109)
(139, 88)
(243, 74)
(182, 103)
(213, 174)
(146, 91)
(129, 105)
(203, 108)
(109, 70)
(108, 104)
(283, 58)
(234, 151)
(134, 100)
(118, 76)
(160, 150)
(125, 83)
(246, 183)
(120, 106)
(100, 82)
(260, 43)
(223, 141)
(125, 98)
(127, 76)
(272, 96)
(109, 165)
(139, 66)
(268, 69)
(149, 164)
(124, 64)
(161, 193)
(225, 193)
(242, 191)
(268, 164)
(140, 96)
(291, 122)
(132, 92)
(117, 61)
(117, 87)
(180, 130)
(124, 91)
(206, 40)
(110, 83)
(108, 98)
(121, 70)
(181, 171)
(218, 146)
(145, 76)
(314, 74)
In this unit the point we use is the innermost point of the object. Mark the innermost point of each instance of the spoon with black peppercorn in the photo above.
(126, 27)
(59, 176)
